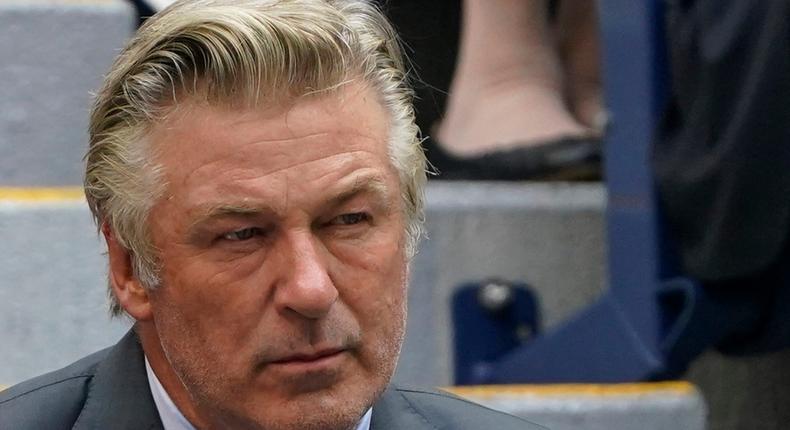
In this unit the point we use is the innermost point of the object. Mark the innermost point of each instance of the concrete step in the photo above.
(548, 235)
(52, 284)
(54, 53)
(645, 406)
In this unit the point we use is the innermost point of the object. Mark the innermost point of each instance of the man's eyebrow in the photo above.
(360, 185)
(373, 185)
(209, 212)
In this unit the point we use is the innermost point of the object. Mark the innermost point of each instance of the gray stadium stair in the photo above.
(645, 406)
(549, 235)
(52, 285)
(54, 53)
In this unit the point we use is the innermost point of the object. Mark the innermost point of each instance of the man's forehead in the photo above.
(371, 184)
(348, 119)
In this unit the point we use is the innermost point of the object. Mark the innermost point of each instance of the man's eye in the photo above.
(243, 234)
(351, 219)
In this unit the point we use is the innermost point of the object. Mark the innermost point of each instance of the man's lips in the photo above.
(302, 372)
(310, 357)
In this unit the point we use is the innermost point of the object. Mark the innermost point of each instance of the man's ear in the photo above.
(130, 293)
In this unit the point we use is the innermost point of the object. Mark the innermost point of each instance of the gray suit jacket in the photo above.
(109, 390)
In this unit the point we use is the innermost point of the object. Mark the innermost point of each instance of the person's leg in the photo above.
(507, 90)
(579, 45)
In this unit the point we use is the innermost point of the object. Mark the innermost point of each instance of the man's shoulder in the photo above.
(53, 400)
(446, 410)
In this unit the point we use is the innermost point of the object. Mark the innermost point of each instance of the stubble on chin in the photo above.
(336, 407)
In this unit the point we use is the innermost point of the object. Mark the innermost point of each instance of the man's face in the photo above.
(281, 238)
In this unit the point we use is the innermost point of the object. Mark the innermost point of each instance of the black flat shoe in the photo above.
(564, 159)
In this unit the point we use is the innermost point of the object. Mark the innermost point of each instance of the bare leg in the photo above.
(507, 89)
(579, 43)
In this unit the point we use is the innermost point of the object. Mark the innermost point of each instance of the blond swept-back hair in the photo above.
(240, 53)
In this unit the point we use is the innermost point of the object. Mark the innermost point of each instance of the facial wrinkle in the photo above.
(306, 163)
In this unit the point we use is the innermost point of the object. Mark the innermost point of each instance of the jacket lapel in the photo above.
(119, 396)
(393, 412)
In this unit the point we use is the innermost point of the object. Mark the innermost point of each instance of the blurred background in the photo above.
(607, 222)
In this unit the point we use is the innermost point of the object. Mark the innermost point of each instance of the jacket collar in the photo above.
(119, 396)
(393, 412)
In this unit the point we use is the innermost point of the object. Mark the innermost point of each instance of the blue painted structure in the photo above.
(493, 328)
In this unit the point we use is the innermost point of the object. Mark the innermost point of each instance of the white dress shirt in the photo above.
(173, 419)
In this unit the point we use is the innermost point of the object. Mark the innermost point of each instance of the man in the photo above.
(255, 170)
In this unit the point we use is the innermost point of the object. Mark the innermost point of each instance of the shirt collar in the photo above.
(173, 419)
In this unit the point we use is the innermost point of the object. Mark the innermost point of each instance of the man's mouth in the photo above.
(314, 362)
(310, 357)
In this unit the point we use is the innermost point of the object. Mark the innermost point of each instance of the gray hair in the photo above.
(239, 53)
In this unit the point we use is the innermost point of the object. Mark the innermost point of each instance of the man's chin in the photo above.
(320, 400)
(321, 410)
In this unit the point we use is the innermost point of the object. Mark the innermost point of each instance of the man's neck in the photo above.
(166, 377)
(170, 415)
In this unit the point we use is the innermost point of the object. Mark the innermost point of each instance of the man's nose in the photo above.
(306, 287)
